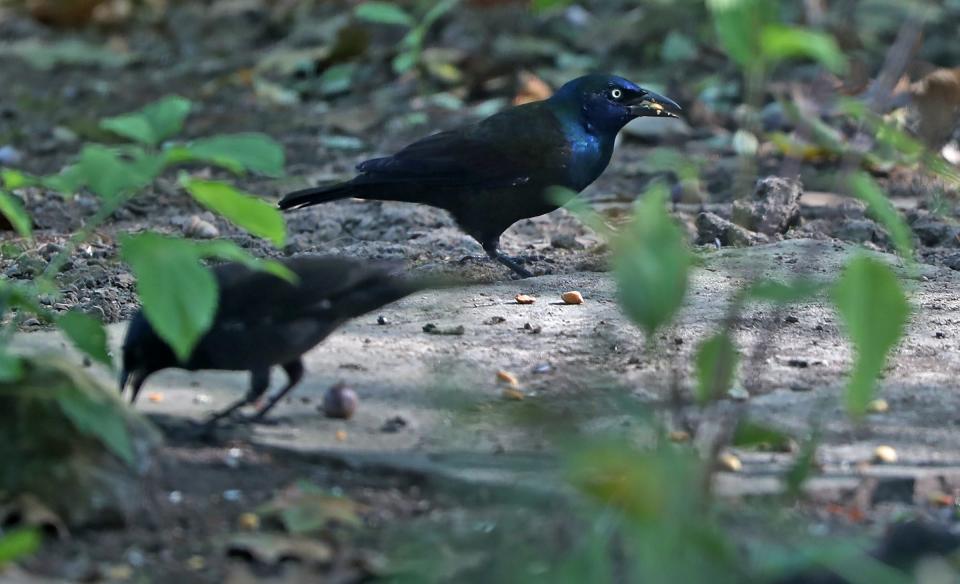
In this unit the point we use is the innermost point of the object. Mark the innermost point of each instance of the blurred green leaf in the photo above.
(803, 465)
(178, 294)
(778, 42)
(14, 179)
(651, 263)
(867, 190)
(580, 208)
(247, 211)
(13, 210)
(437, 10)
(154, 123)
(738, 24)
(235, 152)
(18, 543)
(546, 5)
(753, 435)
(716, 360)
(106, 173)
(404, 61)
(92, 414)
(87, 333)
(48, 55)
(337, 79)
(874, 311)
(384, 13)
(11, 367)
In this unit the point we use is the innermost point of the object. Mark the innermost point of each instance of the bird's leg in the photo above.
(492, 248)
(294, 370)
(259, 382)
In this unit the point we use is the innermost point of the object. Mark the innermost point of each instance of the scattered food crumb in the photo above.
(509, 378)
(884, 454)
(512, 394)
(679, 436)
(249, 521)
(341, 435)
(878, 406)
(155, 396)
(729, 462)
(572, 297)
(524, 299)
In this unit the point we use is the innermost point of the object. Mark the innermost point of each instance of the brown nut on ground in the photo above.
(572, 297)
(524, 299)
(509, 378)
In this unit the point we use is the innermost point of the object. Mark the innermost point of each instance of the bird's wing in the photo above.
(256, 297)
(506, 149)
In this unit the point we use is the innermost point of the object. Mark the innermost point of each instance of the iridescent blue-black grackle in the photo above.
(494, 173)
(262, 321)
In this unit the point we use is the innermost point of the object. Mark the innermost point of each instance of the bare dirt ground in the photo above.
(434, 444)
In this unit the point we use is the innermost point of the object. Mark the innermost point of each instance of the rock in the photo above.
(200, 229)
(711, 228)
(774, 206)
(10, 156)
(857, 231)
(565, 241)
(931, 230)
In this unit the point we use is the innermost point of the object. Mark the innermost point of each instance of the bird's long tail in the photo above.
(315, 195)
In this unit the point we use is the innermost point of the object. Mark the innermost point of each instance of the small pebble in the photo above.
(394, 424)
(738, 394)
(232, 495)
(175, 497)
(572, 297)
(340, 402)
(729, 462)
(341, 435)
(382, 320)
(884, 454)
(200, 229)
(878, 406)
(524, 299)
(201, 398)
(10, 156)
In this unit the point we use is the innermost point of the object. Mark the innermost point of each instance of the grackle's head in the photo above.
(608, 102)
(144, 353)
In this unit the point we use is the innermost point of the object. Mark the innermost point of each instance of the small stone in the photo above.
(509, 378)
(200, 229)
(495, 320)
(382, 320)
(572, 297)
(729, 462)
(534, 329)
(884, 454)
(878, 406)
(524, 299)
(201, 398)
(340, 402)
(340, 435)
(232, 495)
(175, 497)
(738, 394)
(432, 329)
(248, 521)
(394, 424)
(10, 156)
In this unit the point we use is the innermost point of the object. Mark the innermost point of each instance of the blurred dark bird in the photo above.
(496, 172)
(262, 321)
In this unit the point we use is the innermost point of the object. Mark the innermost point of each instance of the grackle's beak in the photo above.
(651, 104)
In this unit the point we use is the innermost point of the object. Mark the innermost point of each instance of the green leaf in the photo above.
(14, 179)
(98, 418)
(384, 13)
(154, 123)
(246, 211)
(405, 61)
(18, 543)
(548, 5)
(236, 152)
(778, 42)
(436, 11)
(337, 79)
(874, 311)
(107, 174)
(738, 24)
(178, 294)
(229, 251)
(867, 190)
(753, 435)
(651, 263)
(716, 361)
(87, 333)
(11, 367)
(13, 210)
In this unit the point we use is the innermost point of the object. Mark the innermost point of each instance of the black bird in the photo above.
(262, 321)
(494, 173)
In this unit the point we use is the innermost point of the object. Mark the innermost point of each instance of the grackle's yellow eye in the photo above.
(616, 94)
